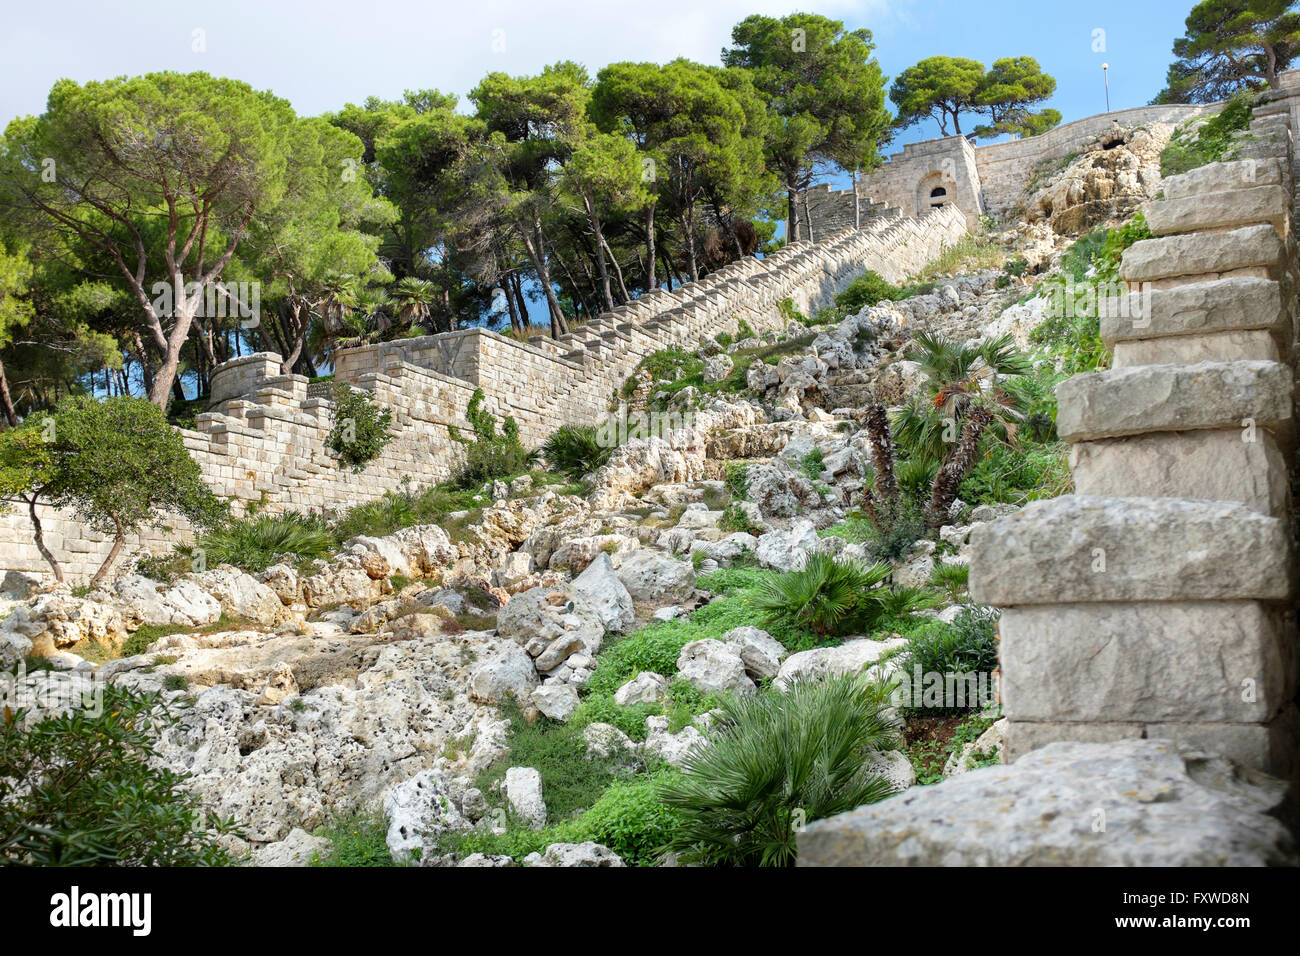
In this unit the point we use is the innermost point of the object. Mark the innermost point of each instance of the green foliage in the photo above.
(812, 464)
(952, 578)
(736, 476)
(359, 840)
(576, 450)
(632, 819)
(967, 646)
(775, 761)
(1016, 266)
(1229, 47)
(1018, 474)
(825, 596)
(1211, 141)
(257, 542)
(790, 312)
(88, 789)
(968, 254)
(942, 88)
(745, 331)
(359, 430)
(888, 539)
(734, 518)
(928, 758)
(490, 454)
(867, 290)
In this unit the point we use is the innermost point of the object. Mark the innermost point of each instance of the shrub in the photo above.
(774, 762)
(745, 331)
(490, 455)
(734, 518)
(576, 450)
(866, 290)
(632, 819)
(1209, 142)
(86, 788)
(812, 464)
(1016, 266)
(360, 430)
(255, 543)
(737, 479)
(967, 646)
(951, 578)
(825, 596)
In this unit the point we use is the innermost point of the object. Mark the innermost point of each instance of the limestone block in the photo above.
(1162, 805)
(1221, 177)
(1220, 210)
(1079, 548)
(1217, 465)
(1196, 308)
(1204, 253)
(1022, 737)
(1191, 349)
(1217, 662)
(1156, 398)
(1272, 747)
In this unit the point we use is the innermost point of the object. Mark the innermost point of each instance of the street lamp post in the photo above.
(1105, 72)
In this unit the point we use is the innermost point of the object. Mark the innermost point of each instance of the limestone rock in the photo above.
(241, 595)
(672, 748)
(710, 665)
(548, 614)
(600, 585)
(419, 811)
(510, 672)
(646, 688)
(579, 854)
(524, 793)
(851, 657)
(184, 603)
(557, 701)
(788, 550)
(1160, 806)
(655, 578)
(760, 652)
(299, 848)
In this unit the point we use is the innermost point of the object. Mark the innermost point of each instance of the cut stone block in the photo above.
(1221, 210)
(1079, 548)
(1272, 747)
(1021, 736)
(1197, 308)
(1157, 805)
(1186, 661)
(1158, 398)
(1191, 349)
(1217, 465)
(1205, 254)
(1222, 177)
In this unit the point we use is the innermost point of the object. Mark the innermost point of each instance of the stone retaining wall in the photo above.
(1158, 601)
(263, 439)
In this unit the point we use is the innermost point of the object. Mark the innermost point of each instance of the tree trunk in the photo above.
(533, 245)
(6, 400)
(883, 454)
(857, 202)
(792, 216)
(618, 272)
(688, 222)
(38, 534)
(118, 540)
(651, 281)
(607, 296)
(954, 471)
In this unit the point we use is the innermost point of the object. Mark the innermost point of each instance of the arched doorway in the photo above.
(935, 189)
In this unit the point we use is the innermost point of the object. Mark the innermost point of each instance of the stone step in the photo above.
(1085, 549)
(1221, 210)
(1206, 254)
(1160, 398)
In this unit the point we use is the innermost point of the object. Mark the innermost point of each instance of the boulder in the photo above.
(578, 854)
(710, 665)
(760, 652)
(524, 793)
(1131, 803)
(557, 701)
(671, 748)
(184, 603)
(646, 688)
(545, 615)
(241, 595)
(655, 578)
(851, 657)
(788, 550)
(299, 848)
(600, 585)
(509, 672)
(605, 741)
(419, 811)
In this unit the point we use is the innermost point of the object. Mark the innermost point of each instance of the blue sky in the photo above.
(323, 54)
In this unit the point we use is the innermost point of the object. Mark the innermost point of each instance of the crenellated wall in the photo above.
(263, 438)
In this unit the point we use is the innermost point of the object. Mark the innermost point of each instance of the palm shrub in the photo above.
(576, 450)
(257, 542)
(85, 788)
(825, 596)
(772, 763)
(951, 578)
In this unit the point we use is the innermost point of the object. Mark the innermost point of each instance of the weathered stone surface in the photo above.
(1022, 737)
(557, 701)
(1216, 465)
(1197, 308)
(1229, 662)
(646, 688)
(1078, 548)
(546, 615)
(851, 657)
(1162, 806)
(241, 595)
(761, 653)
(711, 665)
(894, 767)
(1273, 748)
(1221, 177)
(670, 747)
(508, 673)
(606, 593)
(1221, 210)
(578, 854)
(524, 794)
(654, 577)
(184, 603)
(1204, 254)
(1157, 398)
(788, 550)
(299, 848)
(420, 810)
(1255, 345)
